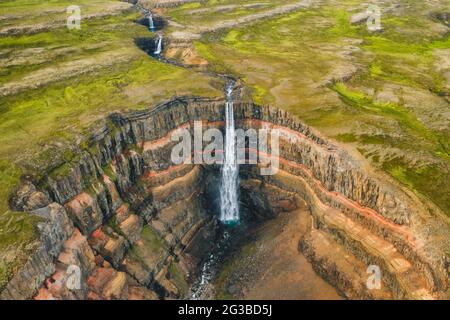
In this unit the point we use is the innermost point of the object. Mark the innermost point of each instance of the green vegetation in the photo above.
(203, 14)
(84, 75)
(418, 178)
(371, 90)
(386, 109)
(177, 277)
(151, 250)
(154, 242)
(18, 235)
(232, 265)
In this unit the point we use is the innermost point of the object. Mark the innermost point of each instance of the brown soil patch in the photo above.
(275, 269)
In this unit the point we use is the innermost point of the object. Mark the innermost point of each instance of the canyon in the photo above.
(139, 227)
(94, 207)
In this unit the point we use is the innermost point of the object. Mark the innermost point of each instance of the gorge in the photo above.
(115, 217)
(139, 227)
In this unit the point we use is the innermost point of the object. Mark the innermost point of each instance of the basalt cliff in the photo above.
(122, 222)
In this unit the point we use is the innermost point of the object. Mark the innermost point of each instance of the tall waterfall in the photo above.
(229, 205)
(151, 24)
(158, 44)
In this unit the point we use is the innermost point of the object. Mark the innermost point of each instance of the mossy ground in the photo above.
(379, 92)
(177, 277)
(151, 249)
(236, 261)
(206, 13)
(40, 125)
(311, 62)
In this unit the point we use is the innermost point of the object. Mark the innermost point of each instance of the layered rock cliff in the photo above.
(135, 226)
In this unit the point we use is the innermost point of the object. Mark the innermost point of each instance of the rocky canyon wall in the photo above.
(137, 226)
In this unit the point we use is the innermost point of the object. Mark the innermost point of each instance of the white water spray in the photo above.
(151, 24)
(229, 205)
(158, 44)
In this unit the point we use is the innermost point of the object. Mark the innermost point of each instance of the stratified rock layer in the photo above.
(133, 225)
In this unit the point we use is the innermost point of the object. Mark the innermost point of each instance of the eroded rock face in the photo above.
(137, 226)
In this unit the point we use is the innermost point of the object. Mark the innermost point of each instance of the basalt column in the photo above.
(135, 225)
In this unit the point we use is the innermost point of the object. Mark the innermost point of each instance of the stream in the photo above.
(231, 230)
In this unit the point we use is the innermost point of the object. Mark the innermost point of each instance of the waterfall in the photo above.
(151, 24)
(158, 44)
(229, 205)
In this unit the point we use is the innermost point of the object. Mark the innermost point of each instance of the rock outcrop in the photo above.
(133, 225)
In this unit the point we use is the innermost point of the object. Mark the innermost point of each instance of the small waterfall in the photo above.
(158, 44)
(151, 24)
(229, 204)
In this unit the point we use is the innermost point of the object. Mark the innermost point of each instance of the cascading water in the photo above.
(229, 208)
(158, 45)
(151, 24)
(229, 204)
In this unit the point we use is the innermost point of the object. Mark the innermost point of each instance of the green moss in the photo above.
(390, 110)
(177, 277)
(9, 176)
(18, 239)
(425, 180)
(57, 109)
(237, 261)
(204, 51)
(152, 240)
(366, 139)
(192, 5)
(211, 14)
(40, 126)
(135, 148)
(114, 225)
(342, 27)
(17, 230)
(152, 250)
(208, 54)
(284, 61)
(346, 137)
(108, 170)
(259, 93)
